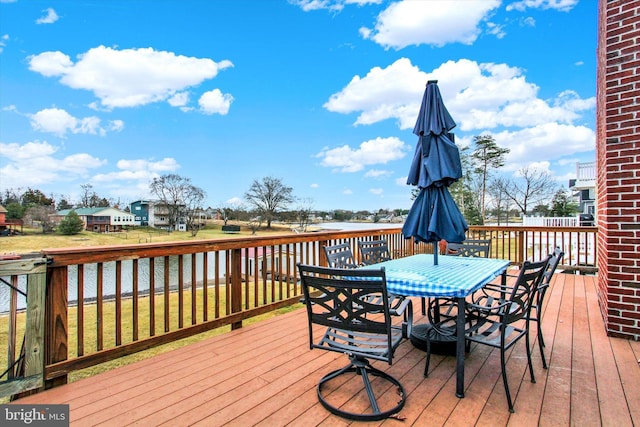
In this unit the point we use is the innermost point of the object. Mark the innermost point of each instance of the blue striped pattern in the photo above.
(454, 276)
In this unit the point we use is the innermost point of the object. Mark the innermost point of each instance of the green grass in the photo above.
(34, 241)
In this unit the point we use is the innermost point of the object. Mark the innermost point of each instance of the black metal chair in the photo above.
(468, 248)
(373, 251)
(351, 307)
(554, 260)
(340, 256)
(499, 316)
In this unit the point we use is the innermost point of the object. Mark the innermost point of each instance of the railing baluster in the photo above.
(180, 291)
(165, 293)
(99, 307)
(134, 303)
(118, 297)
(152, 297)
(12, 344)
(80, 310)
(194, 289)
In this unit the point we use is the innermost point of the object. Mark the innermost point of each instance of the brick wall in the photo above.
(618, 164)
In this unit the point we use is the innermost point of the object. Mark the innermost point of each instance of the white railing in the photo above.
(586, 171)
(551, 221)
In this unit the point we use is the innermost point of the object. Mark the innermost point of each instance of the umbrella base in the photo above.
(440, 344)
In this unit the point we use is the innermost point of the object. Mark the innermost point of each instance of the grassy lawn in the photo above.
(33, 240)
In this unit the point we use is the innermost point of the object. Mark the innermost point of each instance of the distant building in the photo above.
(8, 226)
(153, 213)
(102, 220)
(584, 189)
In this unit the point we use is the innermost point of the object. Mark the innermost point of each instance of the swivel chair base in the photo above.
(363, 368)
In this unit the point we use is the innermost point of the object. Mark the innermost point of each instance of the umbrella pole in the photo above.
(435, 253)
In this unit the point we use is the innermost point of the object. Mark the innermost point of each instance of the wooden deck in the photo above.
(265, 374)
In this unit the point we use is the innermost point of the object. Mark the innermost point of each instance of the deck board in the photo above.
(265, 374)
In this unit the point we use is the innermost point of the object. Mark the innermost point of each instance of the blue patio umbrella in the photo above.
(436, 165)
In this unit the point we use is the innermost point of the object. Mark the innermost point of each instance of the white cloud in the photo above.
(377, 173)
(133, 177)
(376, 191)
(314, 185)
(50, 17)
(149, 167)
(3, 41)
(128, 77)
(483, 98)
(332, 5)
(402, 180)
(543, 143)
(372, 152)
(59, 122)
(180, 99)
(215, 102)
(383, 93)
(561, 5)
(435, 22)
(24, 160)
(235, 201)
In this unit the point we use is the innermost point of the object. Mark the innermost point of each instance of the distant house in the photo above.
(153, 213)
(141, 210)
(584, 188)
(8, 226)
(102, 220)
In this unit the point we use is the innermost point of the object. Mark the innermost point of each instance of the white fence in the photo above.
(551, 221)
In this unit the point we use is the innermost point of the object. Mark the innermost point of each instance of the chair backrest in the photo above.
(373, 251)
(470, 248)
(351, 304)
(340, 256)
(522, 296)
(511, 303)
(555, 259)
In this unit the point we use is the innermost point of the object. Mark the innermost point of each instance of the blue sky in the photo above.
(322, 94)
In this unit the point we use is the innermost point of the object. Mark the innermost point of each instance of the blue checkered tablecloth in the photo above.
(454, 276)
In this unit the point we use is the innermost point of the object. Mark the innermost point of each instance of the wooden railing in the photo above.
(24, 345)
(110, 301)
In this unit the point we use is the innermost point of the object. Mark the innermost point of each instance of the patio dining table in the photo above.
(453, 277)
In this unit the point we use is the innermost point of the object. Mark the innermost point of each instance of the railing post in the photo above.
(236, 285)
(323, 256)
(522, 249)
(56, 340)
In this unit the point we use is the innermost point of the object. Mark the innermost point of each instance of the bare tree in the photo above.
(303, 214)
(42, 216)
(193, 213)
(499, 199)
(268, 197)
(85, 196)
(90, 199)
(228, 210)
(534, 186)
(255, 222)
(179, 196)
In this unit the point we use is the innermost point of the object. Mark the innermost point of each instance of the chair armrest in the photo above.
(398, 304)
